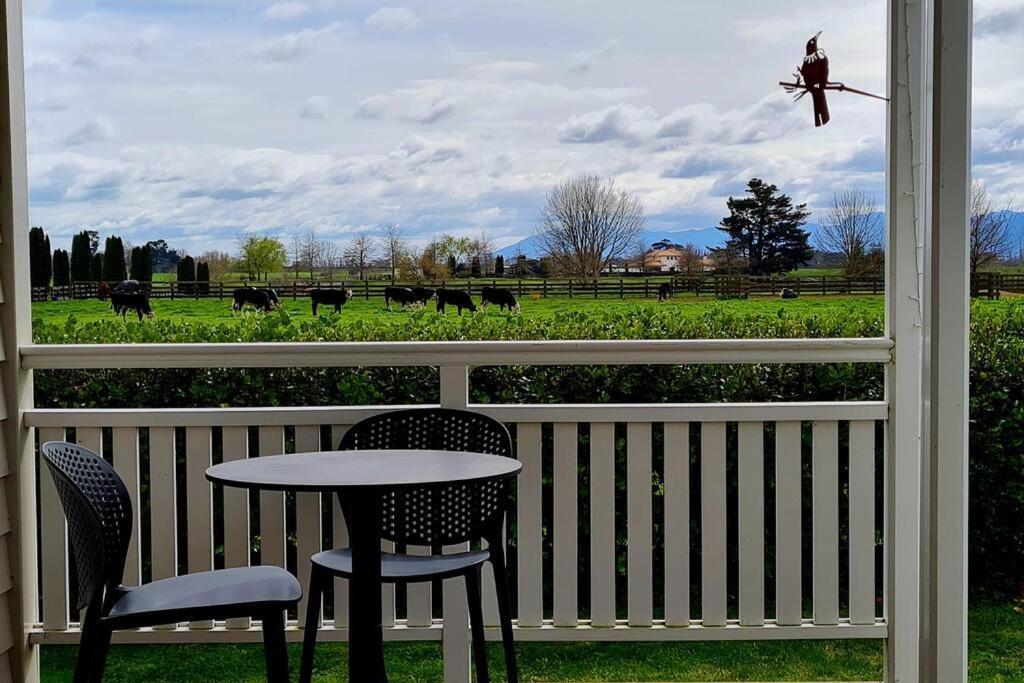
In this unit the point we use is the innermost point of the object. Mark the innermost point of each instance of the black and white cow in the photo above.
(454, 297)
(263, 299)
(423, 294)
(788, 293)
(329, 297)
(127, 286)
(401, 295)
(502, 298)
(665, 291)
(122, 302)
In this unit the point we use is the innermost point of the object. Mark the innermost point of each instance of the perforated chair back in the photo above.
(99, 514)
(445, 514)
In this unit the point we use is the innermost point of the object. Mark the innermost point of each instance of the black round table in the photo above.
(362, 476)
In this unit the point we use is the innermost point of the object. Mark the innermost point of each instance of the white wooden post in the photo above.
(904, 324)
(927, 315)
(944, 505)
(454, 393)
(18, 597)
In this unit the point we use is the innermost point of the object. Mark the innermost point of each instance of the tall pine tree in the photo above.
(186, 274)
(39, 258)
(114, 269)
(97, 267)
(61, 268)
(81, 257)
(499, 265)
(142, 263)
(203, 277)
(767, 230)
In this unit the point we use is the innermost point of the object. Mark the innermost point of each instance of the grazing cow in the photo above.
(402, 295)
(329, 297)
(454, 297)
(665, 291)
(788, 293)
(271, 296)
(264, 299)
(503, 298)
(127, 286)
(423, 294)
(122, 302)
(103, 291)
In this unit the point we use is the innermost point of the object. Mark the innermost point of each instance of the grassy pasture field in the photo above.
(216, 311)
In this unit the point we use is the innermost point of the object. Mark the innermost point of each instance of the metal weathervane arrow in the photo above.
(812, 77)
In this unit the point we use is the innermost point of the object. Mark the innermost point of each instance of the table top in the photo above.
(361, 469)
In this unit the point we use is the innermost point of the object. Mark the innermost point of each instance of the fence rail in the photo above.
(987, 284)
(605, 287)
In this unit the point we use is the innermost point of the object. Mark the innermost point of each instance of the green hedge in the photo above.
(997, 384)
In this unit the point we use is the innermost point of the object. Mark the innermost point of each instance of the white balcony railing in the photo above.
(687, 610)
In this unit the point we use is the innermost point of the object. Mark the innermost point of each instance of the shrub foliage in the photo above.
(996, 407)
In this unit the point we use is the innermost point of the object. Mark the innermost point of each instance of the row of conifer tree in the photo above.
(86, 263)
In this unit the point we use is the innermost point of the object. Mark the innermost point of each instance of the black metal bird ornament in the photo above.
(812, 77)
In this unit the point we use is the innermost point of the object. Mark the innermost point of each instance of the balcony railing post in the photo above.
(454, 393)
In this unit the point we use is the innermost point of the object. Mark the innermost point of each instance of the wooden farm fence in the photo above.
(989, 285)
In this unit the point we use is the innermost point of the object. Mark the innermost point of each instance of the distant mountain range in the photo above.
(706, 238)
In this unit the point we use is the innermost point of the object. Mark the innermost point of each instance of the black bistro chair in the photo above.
(432, 517)
(99, 514)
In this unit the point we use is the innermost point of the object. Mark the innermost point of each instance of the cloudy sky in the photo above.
(198, 120)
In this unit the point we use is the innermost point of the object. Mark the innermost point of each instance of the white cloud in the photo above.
(767, 119)
(147, 39)
(424, 105)
(286, 10)
(99, 129)
(585, 61)
(392, 20)
(503, 70)
(314, 107)
(623, 122)
(292, 46)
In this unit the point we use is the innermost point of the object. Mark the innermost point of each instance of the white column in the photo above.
(904, 324)
(927, 316)
(19, 532)
(944, 505)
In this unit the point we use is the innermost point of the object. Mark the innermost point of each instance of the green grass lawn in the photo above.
(219, 311)
(996, 654)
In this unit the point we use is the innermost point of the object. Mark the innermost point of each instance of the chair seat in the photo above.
(224, 593)
(396, 567)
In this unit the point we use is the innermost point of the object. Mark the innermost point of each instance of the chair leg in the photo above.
(100, 649)
(86, 653)
(508, 643)
(317, 579)
(274, 648)
(92, 648)
(476, 625)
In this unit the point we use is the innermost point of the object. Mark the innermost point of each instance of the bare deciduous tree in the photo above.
(360, 252)
(330, 257)
(586, 222)
(691, 262)
(395, 247)
(308, 253)
(219, 262)
(481, 249)
(852, 228)
(729, 260)
(990, 228)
